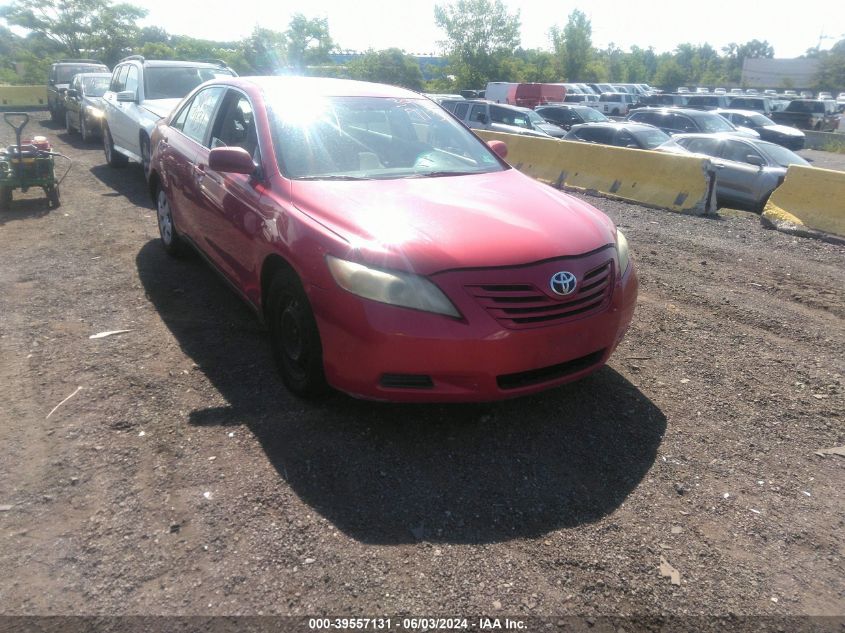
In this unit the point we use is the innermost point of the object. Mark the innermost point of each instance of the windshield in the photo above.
(650, 139)
(354, 138)
(174, 82)
(805, 107)
(535, 118)
(781, 155)
(95, 86)
(591, 115)
(760, 121)
(714, 123)
(65, 73)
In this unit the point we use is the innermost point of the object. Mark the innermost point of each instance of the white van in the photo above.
(501, 92)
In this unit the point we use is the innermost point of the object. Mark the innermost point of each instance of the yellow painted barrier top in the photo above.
(23, 96)
(810, 197)
(669, 181)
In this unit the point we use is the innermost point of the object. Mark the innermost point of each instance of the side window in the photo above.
(500, 115)
(645, 117)
(707, 146)
(118, 79)
(477, 112)
(178, 121)
(682, 123)
(461, 110)
(132, 79)
(737, 151)
(625, 138)
(235, 125)
(200, 112)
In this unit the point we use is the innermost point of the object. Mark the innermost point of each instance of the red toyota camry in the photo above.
(392, 254)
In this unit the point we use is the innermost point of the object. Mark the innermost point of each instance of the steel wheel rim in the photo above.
(165, 221)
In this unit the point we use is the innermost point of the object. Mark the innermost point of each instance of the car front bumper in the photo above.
(381, 352)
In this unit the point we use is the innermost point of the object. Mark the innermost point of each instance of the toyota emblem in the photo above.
(563, 283)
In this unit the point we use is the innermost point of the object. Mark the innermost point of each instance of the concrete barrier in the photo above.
(825, 141)
(810, 199)
(667, 181)
(23, 97)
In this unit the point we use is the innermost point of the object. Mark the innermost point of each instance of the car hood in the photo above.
(551, 129)
(426, 225)
(783, 130)
(97, 102)
(160, 107)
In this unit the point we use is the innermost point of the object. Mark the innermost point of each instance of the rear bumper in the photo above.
(380, 352)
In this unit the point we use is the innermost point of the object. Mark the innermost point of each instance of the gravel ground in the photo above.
(180, 478)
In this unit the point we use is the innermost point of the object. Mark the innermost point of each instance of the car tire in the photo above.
(84, 132)
(173, 244)
(68, 126)
(5, 198)
(146, 158)
(113, 157)
(294, 337)
(54, 115)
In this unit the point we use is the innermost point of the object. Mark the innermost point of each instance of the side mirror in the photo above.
(754, 159)
(232, 160)
(127, 96)
(499, 148)
(71, 92)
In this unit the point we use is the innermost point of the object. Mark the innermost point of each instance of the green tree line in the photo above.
(482, 43)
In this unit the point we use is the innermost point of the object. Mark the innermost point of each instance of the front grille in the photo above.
(545, 374)
(518, 306)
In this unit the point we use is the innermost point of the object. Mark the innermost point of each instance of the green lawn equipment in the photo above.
(28, 164)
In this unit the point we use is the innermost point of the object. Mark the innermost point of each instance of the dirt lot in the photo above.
(182, 479)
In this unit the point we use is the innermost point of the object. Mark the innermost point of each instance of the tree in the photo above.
(831, 72)
(735, 55)
(308, 42)
(573, 45)
(480, 33)
(391, 66)
(265, 51)
(669, 74)
(80, 27)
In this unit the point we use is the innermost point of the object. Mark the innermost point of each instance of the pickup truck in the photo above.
(498, 117)
(809, 114)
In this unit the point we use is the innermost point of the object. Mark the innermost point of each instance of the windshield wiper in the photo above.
(436, 174)
(332, 177)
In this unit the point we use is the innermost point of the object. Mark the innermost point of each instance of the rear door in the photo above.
(740, 180)
(184, 145)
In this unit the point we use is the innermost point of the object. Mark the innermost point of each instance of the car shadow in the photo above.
(390, 473)
(127, 181)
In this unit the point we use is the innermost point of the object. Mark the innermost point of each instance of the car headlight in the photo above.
(391, 287)
(622, 250)
(94, 112)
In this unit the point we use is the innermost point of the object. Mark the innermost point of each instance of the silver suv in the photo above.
(141, 92)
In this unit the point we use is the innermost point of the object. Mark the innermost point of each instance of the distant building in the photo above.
(761, 72)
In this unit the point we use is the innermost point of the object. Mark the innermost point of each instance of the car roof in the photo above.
(627, 125)
(737, 111)
(305, 87)
(687, 111)
(92, 75)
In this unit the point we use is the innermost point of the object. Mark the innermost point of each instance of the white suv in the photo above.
(142, 92)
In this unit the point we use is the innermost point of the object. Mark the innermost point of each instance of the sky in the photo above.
(409, 24)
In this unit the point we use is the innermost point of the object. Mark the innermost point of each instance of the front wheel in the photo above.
(84, 132)
(166, 229)
(294, 337)
(113, 157)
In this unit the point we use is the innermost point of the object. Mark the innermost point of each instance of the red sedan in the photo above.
(392, 254)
